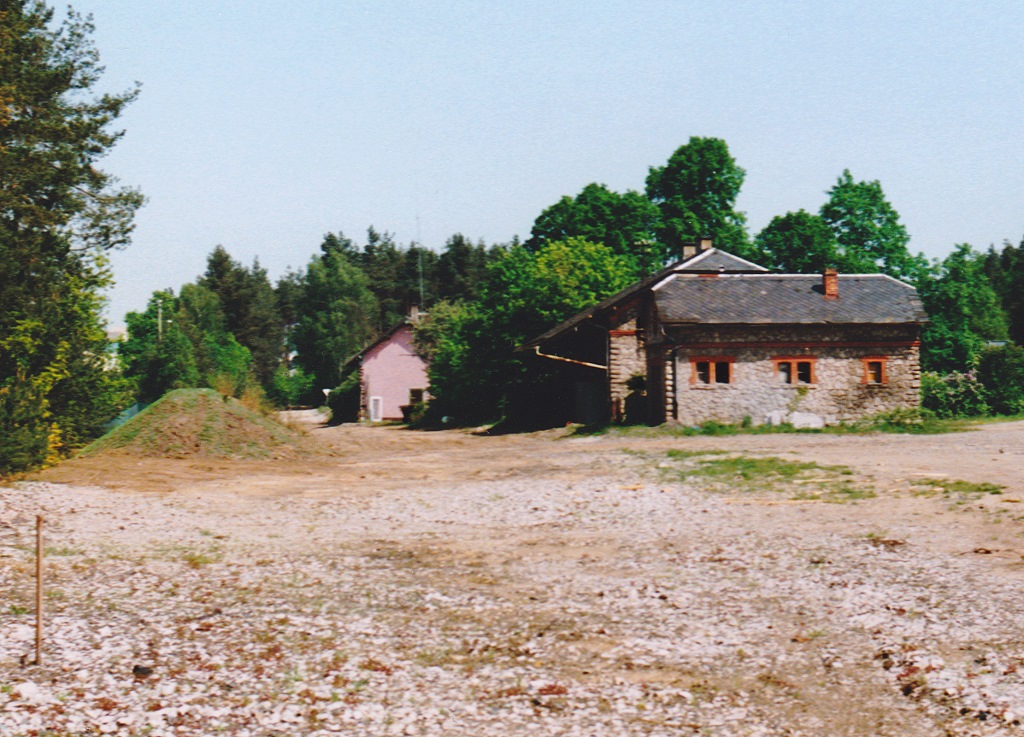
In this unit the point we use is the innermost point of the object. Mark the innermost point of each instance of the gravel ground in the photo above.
(606, 599)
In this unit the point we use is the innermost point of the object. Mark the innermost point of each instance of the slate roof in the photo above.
(786, 299)
(713, 260)
(742, 292)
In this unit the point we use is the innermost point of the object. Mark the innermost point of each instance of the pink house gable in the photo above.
(391, 370)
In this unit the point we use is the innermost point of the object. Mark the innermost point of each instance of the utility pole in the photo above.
(419, 253)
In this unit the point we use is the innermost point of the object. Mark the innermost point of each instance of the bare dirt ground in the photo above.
(454, 584)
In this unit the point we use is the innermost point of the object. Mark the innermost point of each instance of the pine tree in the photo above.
(59, 214)
(249, 306)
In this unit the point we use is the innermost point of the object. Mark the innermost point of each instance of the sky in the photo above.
(263, 125)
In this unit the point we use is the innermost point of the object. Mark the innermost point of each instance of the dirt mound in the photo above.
(201, 422)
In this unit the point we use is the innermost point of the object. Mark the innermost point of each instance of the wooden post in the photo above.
(39, 589)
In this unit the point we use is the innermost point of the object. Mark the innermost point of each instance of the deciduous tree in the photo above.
(868, 231)
(797, 243)
(627, 223)
(696, 191)
(474, 370)
(963, 310)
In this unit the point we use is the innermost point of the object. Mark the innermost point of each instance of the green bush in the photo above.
(343, 401)
(289, 385)
(953, 395)
(25, 426)
(1001, 371)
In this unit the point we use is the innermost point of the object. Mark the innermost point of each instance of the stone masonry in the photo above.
(626, 358)
(839, 390)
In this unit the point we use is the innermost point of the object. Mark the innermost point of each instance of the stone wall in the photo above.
(837, 393)
(626, 358)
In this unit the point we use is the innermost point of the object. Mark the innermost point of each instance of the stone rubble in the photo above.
(509, 607)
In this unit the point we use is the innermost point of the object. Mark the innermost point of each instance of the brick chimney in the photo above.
(830, 283)
(703, 243)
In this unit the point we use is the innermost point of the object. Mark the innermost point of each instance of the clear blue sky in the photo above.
(263, 125)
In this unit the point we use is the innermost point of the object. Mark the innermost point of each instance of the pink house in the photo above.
(391, 374)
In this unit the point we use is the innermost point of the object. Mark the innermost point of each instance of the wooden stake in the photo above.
(39, 589)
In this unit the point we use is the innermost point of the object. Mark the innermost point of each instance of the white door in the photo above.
(376, 409)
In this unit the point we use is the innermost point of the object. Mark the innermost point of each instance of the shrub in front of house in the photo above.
(343, 401)
(954, 394)
(1001, 371)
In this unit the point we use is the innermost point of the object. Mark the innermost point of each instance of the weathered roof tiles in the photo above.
(785, 299)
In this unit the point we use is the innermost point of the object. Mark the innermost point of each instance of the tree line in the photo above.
(233, 330)
(282, 343)
(586, 247)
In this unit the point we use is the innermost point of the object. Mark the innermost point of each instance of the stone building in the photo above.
(716, 337)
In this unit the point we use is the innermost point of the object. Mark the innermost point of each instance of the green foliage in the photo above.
(797, 243)
(221, 361)
(955, 394)
(964, 312)
(383, 263)
(230, 364)
(461, 270)
(868, 231)
(626, 223)
(336, 314)
(696, 192)
(474, 374)
(181, 343)
(289, 385)
(573, 274)
(59, 214)
(158, 354)
(1001, 371)
(343, 401)
(248, 308)
(1005, 272)
(25, 424)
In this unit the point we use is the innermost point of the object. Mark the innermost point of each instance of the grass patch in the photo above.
(197, 559)
(959, 487)
(61, 551)
(676, 454)
(744, 468)
(913, 421)
(729, 471)
(706, 429)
